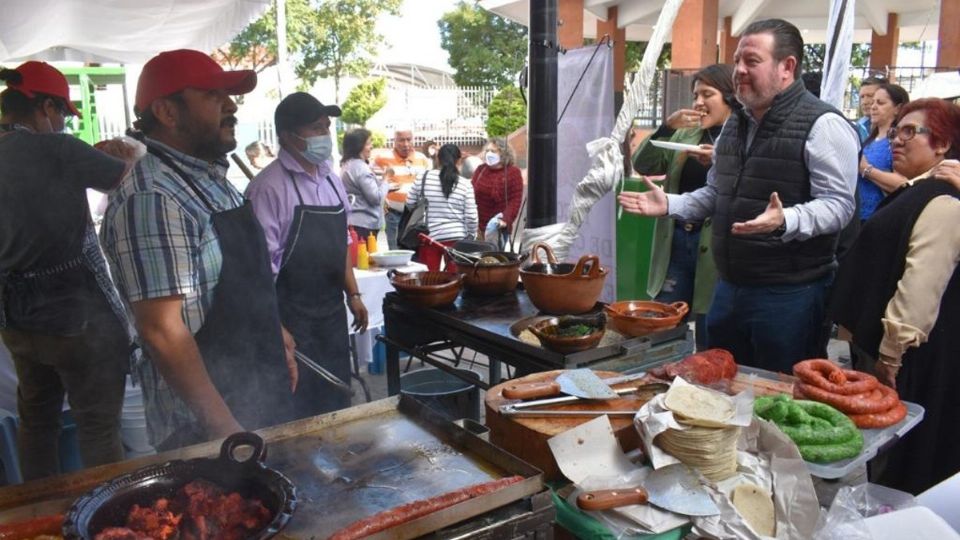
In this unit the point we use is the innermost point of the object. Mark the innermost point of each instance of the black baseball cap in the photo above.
(299, 109)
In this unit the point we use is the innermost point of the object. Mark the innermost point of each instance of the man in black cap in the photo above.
(302, 206)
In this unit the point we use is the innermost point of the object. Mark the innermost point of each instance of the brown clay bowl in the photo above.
(637, 318)
(491, 278)
(427, 289)
(562, 288)
(549, 332)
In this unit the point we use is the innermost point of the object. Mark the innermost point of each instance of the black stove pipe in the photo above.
(542, 115)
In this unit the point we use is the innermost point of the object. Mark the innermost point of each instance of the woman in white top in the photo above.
(451, 210)
(366, 191)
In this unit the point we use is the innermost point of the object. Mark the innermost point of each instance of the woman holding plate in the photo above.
(681, 265)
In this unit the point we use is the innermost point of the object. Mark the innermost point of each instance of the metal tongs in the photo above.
(528, 408)
(337, 383)
(471, 258)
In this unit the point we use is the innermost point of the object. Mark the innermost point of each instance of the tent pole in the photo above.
(542, 115)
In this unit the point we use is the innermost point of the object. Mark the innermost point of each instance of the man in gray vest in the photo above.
(780, 190)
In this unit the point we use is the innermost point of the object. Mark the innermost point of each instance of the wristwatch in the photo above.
(778, 232)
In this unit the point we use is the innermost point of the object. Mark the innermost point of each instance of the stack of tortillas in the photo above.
(709, 443)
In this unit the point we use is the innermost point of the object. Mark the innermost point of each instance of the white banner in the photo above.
(589, 116)
(836, 61)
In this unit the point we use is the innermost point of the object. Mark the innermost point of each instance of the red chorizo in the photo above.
(826, 375)
(410, 511)
(880, 399)
(881, 419)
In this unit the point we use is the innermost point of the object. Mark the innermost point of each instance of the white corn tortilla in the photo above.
(698, 406)
(755, 505)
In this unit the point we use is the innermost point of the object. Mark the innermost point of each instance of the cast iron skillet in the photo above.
(108, 504)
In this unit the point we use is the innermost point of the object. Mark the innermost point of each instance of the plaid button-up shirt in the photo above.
(160, 241)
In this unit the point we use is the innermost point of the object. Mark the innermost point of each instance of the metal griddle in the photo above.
(386, 454)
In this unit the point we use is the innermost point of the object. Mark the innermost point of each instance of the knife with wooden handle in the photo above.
(604, 499)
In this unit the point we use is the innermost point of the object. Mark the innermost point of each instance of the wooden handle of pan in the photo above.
(605, 499)
(531, 390)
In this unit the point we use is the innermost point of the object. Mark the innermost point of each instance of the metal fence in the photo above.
(445, 115)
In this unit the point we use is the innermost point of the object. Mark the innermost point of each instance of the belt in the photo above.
(688, 226)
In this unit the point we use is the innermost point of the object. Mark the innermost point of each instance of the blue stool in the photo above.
(8, 448)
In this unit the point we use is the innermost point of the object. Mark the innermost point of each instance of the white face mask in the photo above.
(492, 159)
(319, 148)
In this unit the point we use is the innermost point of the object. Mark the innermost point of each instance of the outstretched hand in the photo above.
(649, 203)
(767, 222)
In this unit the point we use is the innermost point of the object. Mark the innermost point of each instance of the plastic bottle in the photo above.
(363, 258)
(371, 244)
(354, 244)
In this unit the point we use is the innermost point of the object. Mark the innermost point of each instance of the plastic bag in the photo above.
(844, 520)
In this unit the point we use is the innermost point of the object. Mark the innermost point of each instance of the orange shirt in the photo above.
(403, 171)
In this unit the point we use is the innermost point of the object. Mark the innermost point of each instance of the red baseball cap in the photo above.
(42, 78)
(172, 71)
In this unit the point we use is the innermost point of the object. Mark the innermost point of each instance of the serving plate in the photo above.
(680, 147)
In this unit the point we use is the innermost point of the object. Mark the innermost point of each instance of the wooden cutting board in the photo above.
(526, 437)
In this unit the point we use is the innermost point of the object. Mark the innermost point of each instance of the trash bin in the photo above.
(444, 392)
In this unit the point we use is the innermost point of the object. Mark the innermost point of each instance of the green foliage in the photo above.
(255, 47)
(506, 112)
(330, 38)
(366, 98)
(485, 49)
(342, 39)
(378, 139)
(814, 56)
(634, 55)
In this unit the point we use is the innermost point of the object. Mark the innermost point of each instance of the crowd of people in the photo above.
(777, 188)
(233, 296)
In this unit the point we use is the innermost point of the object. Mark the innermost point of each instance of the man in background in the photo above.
(400, 168)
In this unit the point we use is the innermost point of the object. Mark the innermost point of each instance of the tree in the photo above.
(634, 55)
(814, 56)
(506, 112)
(366, 98)
(341, 39)
(485, 49)
(255, 47)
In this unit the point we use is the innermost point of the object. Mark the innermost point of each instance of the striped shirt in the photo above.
(448, 219)
(159, 239)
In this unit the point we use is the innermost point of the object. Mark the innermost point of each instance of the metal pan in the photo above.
(108, 504)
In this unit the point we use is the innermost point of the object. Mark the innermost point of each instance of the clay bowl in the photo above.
(550, 333)
(563, 288)
(427, 289)
(636, 318)
(488, 278)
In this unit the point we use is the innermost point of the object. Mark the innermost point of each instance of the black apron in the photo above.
(240, 340)
(310, 292)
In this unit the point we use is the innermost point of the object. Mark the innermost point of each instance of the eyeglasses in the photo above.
(906, 132)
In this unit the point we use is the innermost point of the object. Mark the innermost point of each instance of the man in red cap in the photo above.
(60, 316)
(191, 260)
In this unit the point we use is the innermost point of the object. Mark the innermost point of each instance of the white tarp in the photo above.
(589, 116)
(944, 85)
(118, 31)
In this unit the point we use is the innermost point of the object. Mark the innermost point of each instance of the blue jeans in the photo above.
(770, 327)
(681, 276)
(393, 224)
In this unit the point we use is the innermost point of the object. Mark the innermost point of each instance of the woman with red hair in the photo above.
(898, 294)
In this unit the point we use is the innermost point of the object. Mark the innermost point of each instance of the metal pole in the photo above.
(542, 115)
(282, 45)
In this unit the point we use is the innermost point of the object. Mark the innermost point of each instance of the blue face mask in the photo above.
(319, 148)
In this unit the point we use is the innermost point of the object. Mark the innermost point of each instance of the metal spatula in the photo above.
(582, 383)
(675, 488)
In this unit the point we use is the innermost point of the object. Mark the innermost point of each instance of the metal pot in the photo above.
(563, 288)
(491, 279)
(109, 504)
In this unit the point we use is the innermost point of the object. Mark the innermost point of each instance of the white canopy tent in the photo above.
(118, 31)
